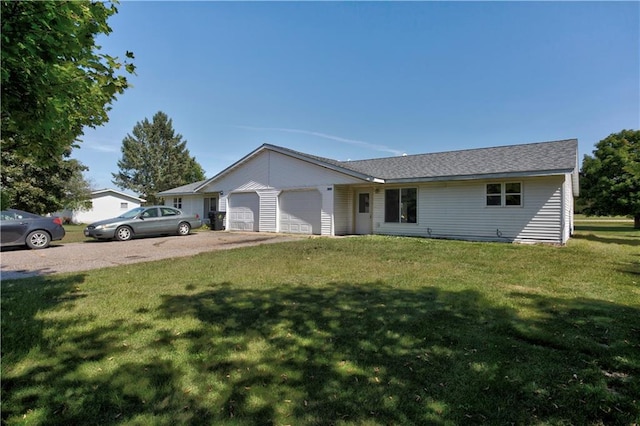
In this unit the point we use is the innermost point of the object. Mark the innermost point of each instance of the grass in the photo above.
(366, 330)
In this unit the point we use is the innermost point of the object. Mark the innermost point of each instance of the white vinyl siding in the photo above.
(458, 210)
(567, 221)
(272, 170)
(104, 205)
(343, 210)
(268, 210)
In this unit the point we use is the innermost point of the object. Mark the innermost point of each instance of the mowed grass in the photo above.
(344, 331)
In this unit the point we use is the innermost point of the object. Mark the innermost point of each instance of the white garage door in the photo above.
(300, 212)
(244, 212)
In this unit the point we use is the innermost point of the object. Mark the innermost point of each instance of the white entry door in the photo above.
(363, 213)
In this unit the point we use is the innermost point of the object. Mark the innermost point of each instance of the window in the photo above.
(363, 202)
(150, 213)
(177, 202)
(400, 205)
(167, 211)
(504, 194)
(124, 206)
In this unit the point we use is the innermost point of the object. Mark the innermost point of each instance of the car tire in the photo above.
(38, 240)
(124, 233)
(184, 228)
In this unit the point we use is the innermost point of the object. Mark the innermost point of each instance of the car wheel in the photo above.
(38, 240)
(124, 233)
(184, 228)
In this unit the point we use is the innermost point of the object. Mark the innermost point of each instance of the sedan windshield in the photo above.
(132, 213)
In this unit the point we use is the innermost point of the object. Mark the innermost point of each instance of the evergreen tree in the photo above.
(37, 187)
(154, 159)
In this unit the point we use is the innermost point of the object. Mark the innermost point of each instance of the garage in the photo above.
(300, 212)
(244, 212)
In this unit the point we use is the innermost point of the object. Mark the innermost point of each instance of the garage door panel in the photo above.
(244, 212)
(300, 212)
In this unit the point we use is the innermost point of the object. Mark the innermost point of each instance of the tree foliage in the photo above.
(610, 180)
(155, 158)
(38, 187)
(54, 82)
(54, 79)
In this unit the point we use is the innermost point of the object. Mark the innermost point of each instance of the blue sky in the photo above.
(354, 80)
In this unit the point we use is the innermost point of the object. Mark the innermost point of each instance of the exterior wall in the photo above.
(272, 170)
(343, 209)
(191, 204)
(104, 206)
(458, 210)
(270, 173)
(326, 215)
(268, 210)
(567, 220)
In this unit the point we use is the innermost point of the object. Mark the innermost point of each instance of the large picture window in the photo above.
(504, 194)
(401, 205)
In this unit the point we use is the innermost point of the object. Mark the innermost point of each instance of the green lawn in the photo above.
(362, 330)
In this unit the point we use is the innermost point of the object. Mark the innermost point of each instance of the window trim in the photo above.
(503, 194)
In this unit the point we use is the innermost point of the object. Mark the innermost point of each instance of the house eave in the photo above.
(487, 176)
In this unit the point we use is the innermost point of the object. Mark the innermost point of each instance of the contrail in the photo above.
(363, 144)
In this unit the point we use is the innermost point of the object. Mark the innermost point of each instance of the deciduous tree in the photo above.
(610, 179)
(54, 78)
(54, 81)
(155, 158)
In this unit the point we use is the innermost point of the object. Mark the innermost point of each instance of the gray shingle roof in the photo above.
(181, 190)
(533, 158)
(512, 160)
(528, 158)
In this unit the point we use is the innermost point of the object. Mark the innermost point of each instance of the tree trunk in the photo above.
(636, 221)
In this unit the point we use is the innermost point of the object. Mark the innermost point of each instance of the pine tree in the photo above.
(154, 159)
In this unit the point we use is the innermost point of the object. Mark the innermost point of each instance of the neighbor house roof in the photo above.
(101, 192)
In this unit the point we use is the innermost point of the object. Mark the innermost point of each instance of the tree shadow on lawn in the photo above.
(344, 353)
(45, 380)
(632, 237)
(369, 352)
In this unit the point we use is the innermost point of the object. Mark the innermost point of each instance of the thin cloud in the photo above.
(109, 148)
(363, 144)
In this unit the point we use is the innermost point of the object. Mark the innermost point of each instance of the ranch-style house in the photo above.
(517, 193)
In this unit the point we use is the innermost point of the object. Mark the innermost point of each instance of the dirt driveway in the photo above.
(58, 258)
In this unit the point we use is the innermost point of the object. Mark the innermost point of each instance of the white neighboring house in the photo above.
(515, 193)
(105, 204)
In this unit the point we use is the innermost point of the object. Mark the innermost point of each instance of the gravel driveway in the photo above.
(58, 258)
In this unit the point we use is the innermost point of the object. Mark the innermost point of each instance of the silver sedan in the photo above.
(144, 221)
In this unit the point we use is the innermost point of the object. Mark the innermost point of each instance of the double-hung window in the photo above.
(401, 205)
(508, 194)
(177, 202)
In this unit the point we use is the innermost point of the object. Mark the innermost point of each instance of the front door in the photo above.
(363, 213)
(210, 205)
